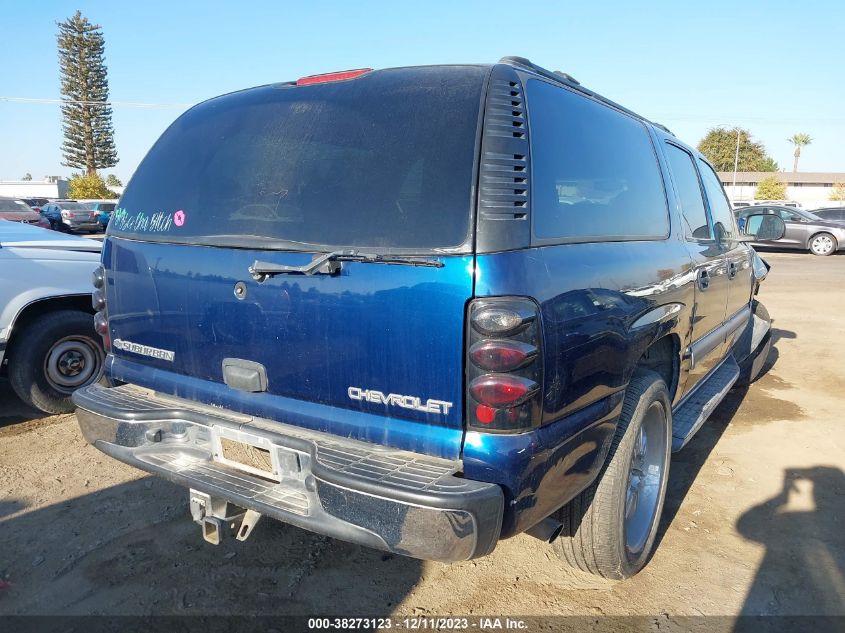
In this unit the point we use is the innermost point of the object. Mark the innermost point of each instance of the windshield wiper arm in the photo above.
(330, 264)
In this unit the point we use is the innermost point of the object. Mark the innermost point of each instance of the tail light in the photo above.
(98, 302)
(504, 365)
(342, 75)
(502, 355)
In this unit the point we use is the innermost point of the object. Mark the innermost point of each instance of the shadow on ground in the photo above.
(687, 463)
(808, 515)
(13, 410)
(133, 549)
(807, 577)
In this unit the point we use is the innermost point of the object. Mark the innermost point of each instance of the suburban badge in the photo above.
(143, 350)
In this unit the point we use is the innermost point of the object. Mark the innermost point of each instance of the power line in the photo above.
(120, 104)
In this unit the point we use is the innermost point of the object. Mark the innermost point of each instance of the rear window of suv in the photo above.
(382, 161)
(595, 173)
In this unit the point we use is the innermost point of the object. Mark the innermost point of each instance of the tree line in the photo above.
(734, 149)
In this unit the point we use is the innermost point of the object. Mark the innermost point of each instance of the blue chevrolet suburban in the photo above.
(423, 309)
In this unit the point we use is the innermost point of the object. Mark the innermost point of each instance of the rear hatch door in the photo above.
(381, 166)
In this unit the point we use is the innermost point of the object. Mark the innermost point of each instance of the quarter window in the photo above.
(689, 192)
(720, 208)
(594, 171)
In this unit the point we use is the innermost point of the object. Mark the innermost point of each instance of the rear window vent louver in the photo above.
(503, 179)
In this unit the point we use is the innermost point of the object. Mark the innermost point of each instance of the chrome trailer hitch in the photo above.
(220, 519)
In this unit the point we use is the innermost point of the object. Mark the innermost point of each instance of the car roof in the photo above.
(519, 63)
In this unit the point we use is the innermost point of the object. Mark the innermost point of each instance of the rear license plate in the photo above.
(247, 455)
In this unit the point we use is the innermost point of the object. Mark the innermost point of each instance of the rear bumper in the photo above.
(75, 225)
(401, 502)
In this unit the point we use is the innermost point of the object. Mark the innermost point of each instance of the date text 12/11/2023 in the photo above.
(419, 623)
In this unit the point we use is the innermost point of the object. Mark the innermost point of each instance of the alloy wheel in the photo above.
(645, 480)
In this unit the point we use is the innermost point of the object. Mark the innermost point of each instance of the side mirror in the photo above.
(764, 227)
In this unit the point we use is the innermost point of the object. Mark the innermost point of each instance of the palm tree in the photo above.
(799, 140)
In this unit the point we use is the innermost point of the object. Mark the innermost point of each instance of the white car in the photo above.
(48, 346)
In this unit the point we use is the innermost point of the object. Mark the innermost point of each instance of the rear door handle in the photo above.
(703, 279)
(732, 269)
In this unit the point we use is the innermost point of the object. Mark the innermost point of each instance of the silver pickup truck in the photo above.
(48, 346)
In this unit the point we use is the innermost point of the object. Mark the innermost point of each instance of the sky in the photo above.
(773, 67)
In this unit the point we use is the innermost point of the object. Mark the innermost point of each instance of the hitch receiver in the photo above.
(220, 519)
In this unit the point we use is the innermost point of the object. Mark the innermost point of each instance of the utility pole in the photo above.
(736, 158)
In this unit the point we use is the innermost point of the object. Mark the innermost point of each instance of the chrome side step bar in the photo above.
(688, 418)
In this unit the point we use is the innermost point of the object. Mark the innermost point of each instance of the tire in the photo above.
(55, 354)
(823, 244)
(597, 537)
(751, 363)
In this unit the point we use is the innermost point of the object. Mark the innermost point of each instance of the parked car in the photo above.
(48, 346)
(16, 210)
(36, 203)
(804, 230)
(71, 216)
(317, 318)
(835, 214)
(104, 210)
(781, 203)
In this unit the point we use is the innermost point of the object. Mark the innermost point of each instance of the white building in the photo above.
(810, 188)
(50, 187)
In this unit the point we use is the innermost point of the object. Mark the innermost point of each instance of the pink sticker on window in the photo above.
(179, 218)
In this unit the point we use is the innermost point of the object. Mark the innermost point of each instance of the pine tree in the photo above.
(88, 131)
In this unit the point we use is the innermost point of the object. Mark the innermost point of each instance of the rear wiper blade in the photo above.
(331, 263)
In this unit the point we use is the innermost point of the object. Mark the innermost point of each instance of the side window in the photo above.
(689, 192)
(594, 170)
(720, 208)
(785, 215)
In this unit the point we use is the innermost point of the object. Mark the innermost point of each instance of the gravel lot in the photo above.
(755, 520)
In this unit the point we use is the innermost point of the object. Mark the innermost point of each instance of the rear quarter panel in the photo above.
(601, 306)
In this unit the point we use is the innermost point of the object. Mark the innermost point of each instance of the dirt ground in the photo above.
(754, 524)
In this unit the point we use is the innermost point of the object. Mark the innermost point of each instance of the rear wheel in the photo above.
(822, 244)
(610, 528)
(56, 354)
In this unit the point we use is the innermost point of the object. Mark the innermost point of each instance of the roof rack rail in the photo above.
(570, 81)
